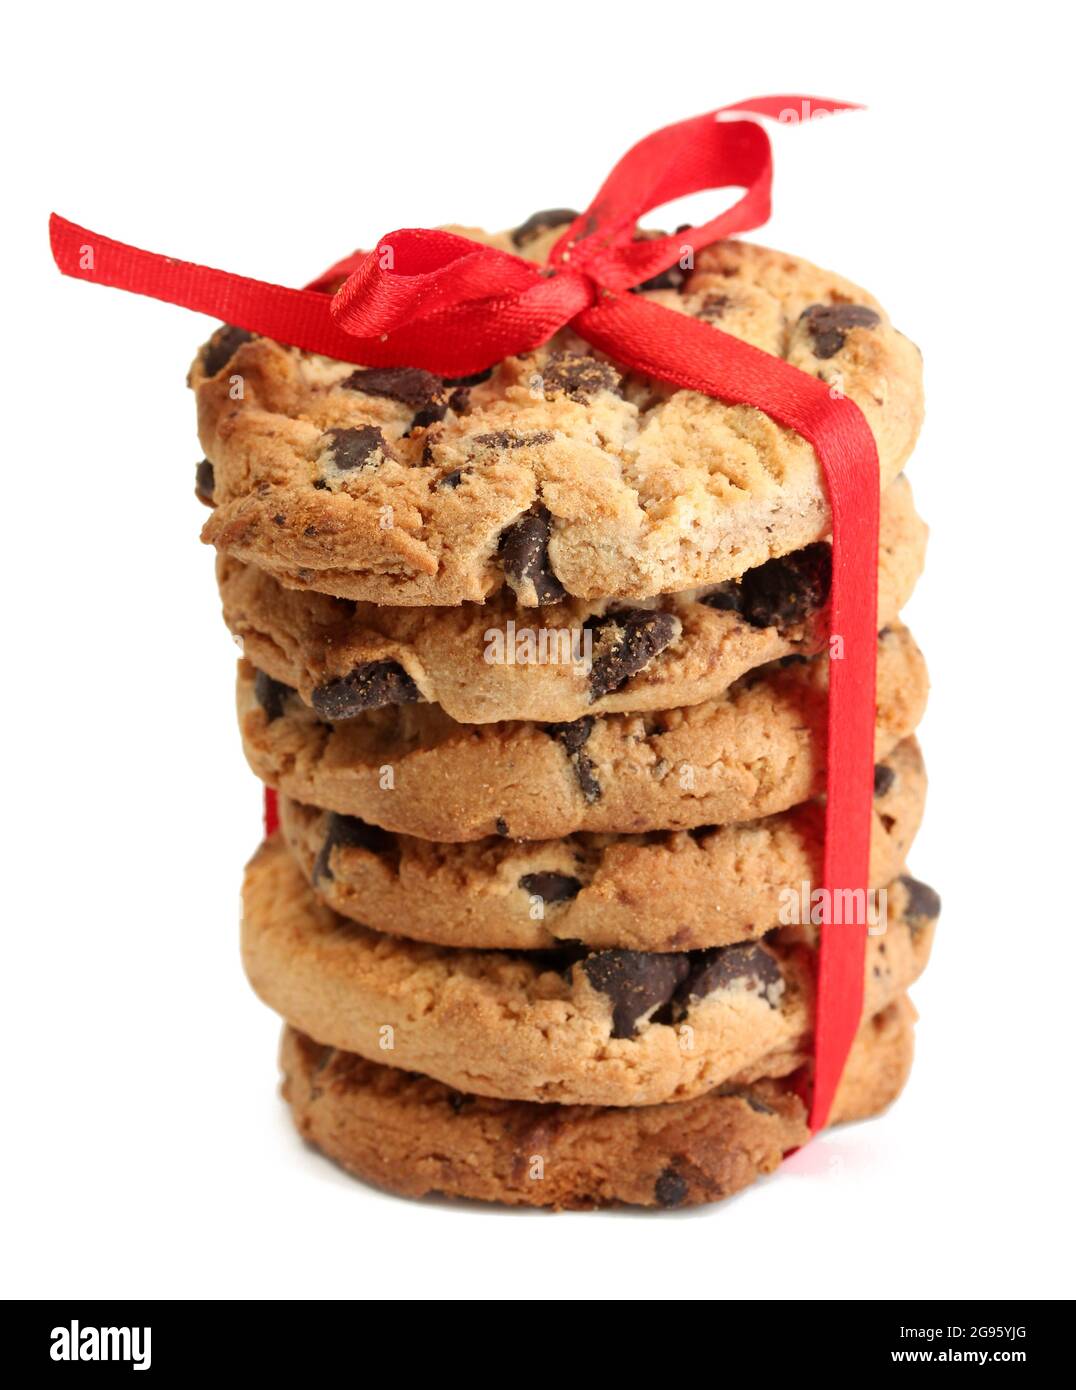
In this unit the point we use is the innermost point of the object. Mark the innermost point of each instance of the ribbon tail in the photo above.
(298, 317)
(678, 349)
(464, 337)
(850, 767)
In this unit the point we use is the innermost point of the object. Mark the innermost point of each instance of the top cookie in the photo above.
(556, 473)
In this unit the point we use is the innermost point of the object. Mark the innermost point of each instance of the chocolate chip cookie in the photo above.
(556, 473)
(755, 750)
(414, 1136)
(486, 662)
(670, 891)
(611, 1027)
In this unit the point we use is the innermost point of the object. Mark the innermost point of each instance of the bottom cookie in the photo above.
(415, 1136)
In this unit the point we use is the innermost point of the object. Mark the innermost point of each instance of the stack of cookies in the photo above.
(536, 664)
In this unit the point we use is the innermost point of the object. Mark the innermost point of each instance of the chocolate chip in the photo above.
(713, 307)
(664, 984)
(409, 385)
(458, 399)
(635, 982)
(742, 1093)
(551, 887)
(543, 221)
(429, 415)
(510, 439)
(785, 591)
(475, 379)
(623, 643)
(579, 378)
(524, 548)
(271, 695)
(725, 597)
(501, 826)
(222, 347)
(573, 738)
(884, 777)
(574, 734)
(354, 448)
(352, 833)
(828, 323)
(372, 685)
(781, 593)
(923, 903)
(723, 967)
(559, 960)
(671, 1189)
(670, 279)
(452, 480)
(203, 482)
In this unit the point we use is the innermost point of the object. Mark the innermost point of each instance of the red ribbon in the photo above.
(439, 301)
(270, 812)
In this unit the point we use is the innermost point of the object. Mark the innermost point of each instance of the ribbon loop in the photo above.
(692, 156)
(424, 294)
(414, 275)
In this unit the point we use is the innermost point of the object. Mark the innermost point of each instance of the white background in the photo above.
(146, 1151)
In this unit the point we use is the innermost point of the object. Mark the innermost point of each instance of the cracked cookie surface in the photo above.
(610, 1027)
(755, 750)
(555, 474)
(487, 662)
(414, 1136)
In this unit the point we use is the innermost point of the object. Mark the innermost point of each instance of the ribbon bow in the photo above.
(439, 301)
